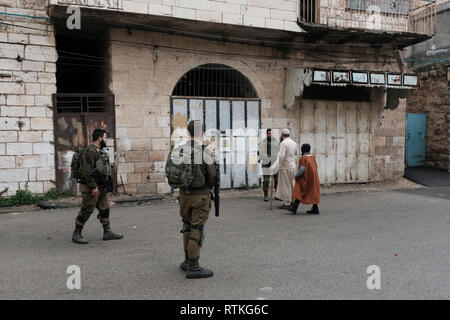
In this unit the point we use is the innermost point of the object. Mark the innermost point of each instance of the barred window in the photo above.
(214, 80)
(383, 6)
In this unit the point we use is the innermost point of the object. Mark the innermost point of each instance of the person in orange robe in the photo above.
(307, 184)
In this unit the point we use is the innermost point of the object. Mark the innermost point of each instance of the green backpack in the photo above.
(184, 174)
(178, 173)
(77, 163)
(75, 166)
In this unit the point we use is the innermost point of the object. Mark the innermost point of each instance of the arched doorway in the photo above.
(224, 100)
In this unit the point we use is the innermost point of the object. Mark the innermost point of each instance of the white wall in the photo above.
(272, 14)
(26, 87)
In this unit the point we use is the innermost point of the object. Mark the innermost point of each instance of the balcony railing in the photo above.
(384, 15)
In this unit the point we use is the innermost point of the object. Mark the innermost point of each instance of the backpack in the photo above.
(75, 165)
(184, 174)
(77, 162)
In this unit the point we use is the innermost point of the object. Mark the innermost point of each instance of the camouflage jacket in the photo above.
(94, 158)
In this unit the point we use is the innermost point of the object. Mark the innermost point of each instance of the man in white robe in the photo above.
(286, 165)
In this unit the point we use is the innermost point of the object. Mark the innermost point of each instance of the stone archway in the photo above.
(227, 102)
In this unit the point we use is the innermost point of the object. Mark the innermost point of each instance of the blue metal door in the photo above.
(416, 127)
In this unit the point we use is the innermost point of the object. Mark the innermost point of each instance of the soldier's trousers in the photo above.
(266, 182)
(89, 203)
(194, 211)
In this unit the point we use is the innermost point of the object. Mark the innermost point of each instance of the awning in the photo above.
(364, 78)
(397, 84)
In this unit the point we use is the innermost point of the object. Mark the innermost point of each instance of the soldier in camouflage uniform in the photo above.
(195, 204)
(96, 173)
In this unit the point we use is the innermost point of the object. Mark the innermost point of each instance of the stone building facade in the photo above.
(143, 89)
(153, 44)
(27, 82)
(432, 97)
(431, 61)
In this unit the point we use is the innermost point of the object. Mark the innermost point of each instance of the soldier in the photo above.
(96, 178)
(195, 198)
(267, 148)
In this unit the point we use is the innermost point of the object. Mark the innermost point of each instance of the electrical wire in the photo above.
(83, 55)
(81, 58)
(339, 59)
(307, 52)
(25, 27)
(82, 65)
(25, 16)
(219, 37)
(207, 35)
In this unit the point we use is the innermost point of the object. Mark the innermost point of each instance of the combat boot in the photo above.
(266, 196)
(184, 264)
(77, 237)
(109, 235)
(195, 271)
(314, 209)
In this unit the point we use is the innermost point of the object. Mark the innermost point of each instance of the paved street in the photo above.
(255, 253)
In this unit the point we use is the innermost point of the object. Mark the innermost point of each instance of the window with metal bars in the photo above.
(83, 103)
(214, 80)
(308, 11)
(382, 6)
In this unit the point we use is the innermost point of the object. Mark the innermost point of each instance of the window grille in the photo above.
(214, 80)
(83, 103)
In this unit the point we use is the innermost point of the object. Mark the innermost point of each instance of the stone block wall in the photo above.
(388, 130)
(271, 14)
(27, 81)
(143, 78)
(432, 97)
(146, 67)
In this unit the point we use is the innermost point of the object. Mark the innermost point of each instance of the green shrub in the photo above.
(247, 187)
(24, 197)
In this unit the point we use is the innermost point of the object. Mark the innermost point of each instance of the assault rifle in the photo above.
(103, 181)
(217, 190)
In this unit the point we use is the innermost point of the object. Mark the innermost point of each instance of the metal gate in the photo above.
(416, 127)
(233, 118)
(338, 133)
(76, 116)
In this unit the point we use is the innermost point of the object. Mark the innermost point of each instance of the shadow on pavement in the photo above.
(442, 193)
(430, 177)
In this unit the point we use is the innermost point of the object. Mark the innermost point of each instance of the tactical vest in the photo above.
(180, 176)
(199, 173)
(103, 165)
(198, 170)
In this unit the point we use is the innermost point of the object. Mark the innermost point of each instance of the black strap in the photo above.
(186, 230)
(199, 241)
(198, 227)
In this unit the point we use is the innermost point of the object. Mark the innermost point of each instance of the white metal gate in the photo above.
(339, 136)
(234, 118)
